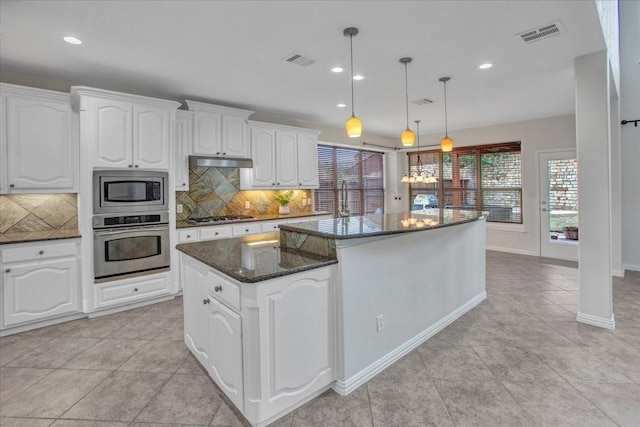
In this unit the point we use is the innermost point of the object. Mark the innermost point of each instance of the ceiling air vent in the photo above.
(423, 101)
(298, 59)
(541, 33)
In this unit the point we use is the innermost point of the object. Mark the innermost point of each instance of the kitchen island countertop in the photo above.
(384, 224)
(252, 259)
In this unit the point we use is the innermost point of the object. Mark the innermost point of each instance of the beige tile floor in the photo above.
(519, 358)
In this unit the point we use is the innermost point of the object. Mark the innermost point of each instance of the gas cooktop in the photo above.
(220, 218)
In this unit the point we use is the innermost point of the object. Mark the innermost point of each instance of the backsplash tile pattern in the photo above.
(216, 191)
(38, 212)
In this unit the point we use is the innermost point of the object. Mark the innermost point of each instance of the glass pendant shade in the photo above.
(446, 144)
(353, 125)
(408, 138)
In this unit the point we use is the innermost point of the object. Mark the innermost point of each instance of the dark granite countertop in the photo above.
(265, 217)
(252, 259)
(37, 236)
(386, 224)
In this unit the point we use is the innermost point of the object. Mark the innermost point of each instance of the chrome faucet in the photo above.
(344, 206)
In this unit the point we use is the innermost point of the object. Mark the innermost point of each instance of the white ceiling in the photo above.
(231, 53)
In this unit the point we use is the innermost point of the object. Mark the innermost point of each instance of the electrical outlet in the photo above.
(179, 208)
(380, 322)
(247, 205)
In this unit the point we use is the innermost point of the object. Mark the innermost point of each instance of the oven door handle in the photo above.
(129, 230)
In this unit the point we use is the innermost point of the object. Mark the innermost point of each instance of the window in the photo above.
(363, 172)
(487, 177)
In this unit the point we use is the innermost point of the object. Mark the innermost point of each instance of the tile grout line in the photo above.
(369, 402)
(433, 381)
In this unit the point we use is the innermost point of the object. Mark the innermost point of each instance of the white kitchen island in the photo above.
(277, 324)
(420, 271)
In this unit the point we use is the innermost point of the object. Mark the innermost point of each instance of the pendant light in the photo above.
(353, 125)
(446, 144)
(407, 137)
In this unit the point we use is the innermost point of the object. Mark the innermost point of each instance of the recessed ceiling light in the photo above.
(337, 69)
(71, 40)
(341, 105)
(358, 77)
(485, 66)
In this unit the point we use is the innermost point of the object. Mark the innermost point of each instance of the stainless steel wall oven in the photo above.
(125, 244)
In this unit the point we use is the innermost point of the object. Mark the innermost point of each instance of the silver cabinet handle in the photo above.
(218, 289)
(12, 185)
(8, 270)
(273, 183)
(216, 233)
(188, 236)
(184, 184)
(130, 166)
(218, 153)
(135, 289)
(40, 252)
(206, 301)
(224, 154)
(136, 165)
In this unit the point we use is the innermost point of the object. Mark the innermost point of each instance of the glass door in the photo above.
(559, 234)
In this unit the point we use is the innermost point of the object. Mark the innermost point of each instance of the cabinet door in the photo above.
(286, 160)
(151, 137)
(263, 148)
(206, 133)
(225, 366)
(307, 160)
(112, 134)
(299, 348)
(196, 337)
(38, 291)
(234, 137)
(184, 128)
(41, 144)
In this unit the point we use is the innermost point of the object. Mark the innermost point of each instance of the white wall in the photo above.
(630, 135)
(542, 134)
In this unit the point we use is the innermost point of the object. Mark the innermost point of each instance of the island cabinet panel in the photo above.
(195, 299)
(225, 363)
(299, 320)
(269, 345)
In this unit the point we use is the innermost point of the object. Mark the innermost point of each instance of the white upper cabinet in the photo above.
(183, 138)
(283, 157)
(39, 146)
(286, 159)
(219, 131)
(125, 131)
(308, 160)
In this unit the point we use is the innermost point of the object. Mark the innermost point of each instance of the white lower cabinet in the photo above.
(125, 291)
(275, 350)
(39, 282)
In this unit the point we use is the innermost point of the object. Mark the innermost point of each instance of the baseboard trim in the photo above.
(617, 273)
(631, 267)
(597, 321)
(40, 324)
(345, 387)
(511, 250)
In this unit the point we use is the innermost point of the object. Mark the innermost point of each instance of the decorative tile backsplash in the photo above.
(38, 212)
(216, 191)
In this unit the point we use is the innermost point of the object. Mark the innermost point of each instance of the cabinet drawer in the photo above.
(224, 291)
(38, 251)
(131, 290)
(246, 229)
(270, 226)
(212, 233)
(190, 235)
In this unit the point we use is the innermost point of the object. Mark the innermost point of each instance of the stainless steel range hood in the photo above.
(219, 162)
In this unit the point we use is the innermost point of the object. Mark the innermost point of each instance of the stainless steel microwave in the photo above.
(125, 191)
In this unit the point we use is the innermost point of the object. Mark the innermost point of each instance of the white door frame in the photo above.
(548, 248)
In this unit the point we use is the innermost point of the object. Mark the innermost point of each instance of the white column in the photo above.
(594, 198)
